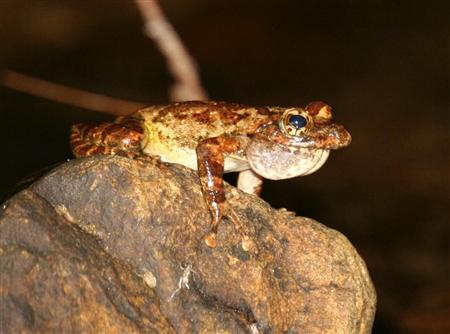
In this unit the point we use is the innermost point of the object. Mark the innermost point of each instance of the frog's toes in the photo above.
(145, 158)
(211, 239)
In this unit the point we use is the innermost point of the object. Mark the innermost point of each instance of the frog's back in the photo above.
(193, 121)
(174, 131)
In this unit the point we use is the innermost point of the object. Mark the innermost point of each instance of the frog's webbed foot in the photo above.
(247, 243)
(226, 211)
(144, 158)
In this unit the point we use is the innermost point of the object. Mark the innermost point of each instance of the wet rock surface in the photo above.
(114, 245)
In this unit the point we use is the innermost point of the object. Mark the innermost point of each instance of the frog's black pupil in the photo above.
(298, 121)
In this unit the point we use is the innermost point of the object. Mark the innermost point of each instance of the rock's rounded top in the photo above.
(127, 236)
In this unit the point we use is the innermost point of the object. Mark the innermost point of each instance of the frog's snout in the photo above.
(343, 137)
(333, 137)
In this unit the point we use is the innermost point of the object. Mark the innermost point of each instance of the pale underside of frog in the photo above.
(219, 137)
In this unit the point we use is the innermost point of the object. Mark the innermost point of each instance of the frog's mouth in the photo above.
(274, 162)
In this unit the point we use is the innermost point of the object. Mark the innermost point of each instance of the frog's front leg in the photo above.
(211, 154)
(250, 182)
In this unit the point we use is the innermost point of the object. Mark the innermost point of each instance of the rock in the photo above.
(108, 244)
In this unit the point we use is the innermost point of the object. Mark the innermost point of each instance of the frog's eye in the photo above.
(297, 121)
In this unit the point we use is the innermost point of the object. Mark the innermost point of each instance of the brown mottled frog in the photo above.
(218, 137)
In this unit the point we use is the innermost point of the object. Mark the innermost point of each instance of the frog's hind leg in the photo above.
(122, 137)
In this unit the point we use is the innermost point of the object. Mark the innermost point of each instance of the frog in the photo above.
(215, 138)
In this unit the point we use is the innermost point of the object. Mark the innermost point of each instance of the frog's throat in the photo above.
(276, 162)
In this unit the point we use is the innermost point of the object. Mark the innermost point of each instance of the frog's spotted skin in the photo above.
(123, 137)
(219, 137)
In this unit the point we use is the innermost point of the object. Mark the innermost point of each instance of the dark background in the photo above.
(382, 65)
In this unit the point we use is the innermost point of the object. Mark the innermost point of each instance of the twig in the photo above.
(67, 95)
(187, 84)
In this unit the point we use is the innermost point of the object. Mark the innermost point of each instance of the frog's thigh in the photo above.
(107, 138)
(80, 143)
(250, 182)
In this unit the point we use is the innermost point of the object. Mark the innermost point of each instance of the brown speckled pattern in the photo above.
(187, 123)
(123, 137)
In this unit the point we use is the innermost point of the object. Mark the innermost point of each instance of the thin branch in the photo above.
(187, 84)
(67, 95)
